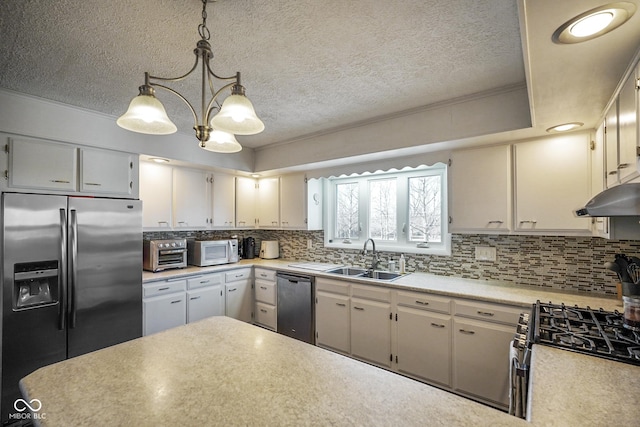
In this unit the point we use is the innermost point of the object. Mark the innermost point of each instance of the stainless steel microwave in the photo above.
(212, 252)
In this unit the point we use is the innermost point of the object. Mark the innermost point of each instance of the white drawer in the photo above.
(266, 315)
(371, 292)
(202, 281)
(235, 275)
(424, 301)
(333, 286)
(162, 288)
(263, 274)
(489, 312)
(265, 292)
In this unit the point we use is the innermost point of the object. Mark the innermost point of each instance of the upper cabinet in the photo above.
(245, 202)
(552, 180)
(191, 198)
(480, 187)
(59, 168)
(528, 187)
(268, 203)
(224, 206)
(300, 202)
(156, 193)
(622, 132)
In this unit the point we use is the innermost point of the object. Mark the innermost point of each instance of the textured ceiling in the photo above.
(307, 65)
(310, 66)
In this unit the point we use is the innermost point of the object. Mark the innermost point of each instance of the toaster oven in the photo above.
(158, 255)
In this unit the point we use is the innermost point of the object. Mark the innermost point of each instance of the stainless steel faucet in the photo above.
(375, 260)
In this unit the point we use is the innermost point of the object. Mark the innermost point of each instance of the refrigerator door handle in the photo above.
(73, 276)
(62, 283)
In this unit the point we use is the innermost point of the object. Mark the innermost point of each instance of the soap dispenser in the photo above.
(402, 264)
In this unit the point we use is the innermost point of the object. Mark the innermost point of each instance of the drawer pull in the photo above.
(437, 325)
(485, 313)
(176, 301)
(192, 298)
(422, 302)
(263, 310)
(615, 172)
(93, 183)
(202, 282)
(263, 287)
(358, 308)
(464, 331)
(496, 222)
(234, 289)
(341, 304)
(60, 181)
(164, 289)
(263, 275)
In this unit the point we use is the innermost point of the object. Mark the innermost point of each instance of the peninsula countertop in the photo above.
(220, 371)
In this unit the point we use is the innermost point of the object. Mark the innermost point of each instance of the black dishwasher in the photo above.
(295, 306)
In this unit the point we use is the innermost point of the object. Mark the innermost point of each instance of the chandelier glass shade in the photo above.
(236, 115)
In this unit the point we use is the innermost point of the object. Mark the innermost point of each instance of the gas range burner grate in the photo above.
(584, 330)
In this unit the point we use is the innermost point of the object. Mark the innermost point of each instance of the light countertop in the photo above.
(220, 371)
(482, 290)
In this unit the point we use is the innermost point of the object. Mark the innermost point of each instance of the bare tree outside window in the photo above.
(347, 211)
(425, 211)
(382, 209)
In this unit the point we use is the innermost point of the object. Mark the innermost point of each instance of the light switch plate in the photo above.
(485, 253)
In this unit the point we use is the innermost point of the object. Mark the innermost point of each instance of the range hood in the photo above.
(621, 200)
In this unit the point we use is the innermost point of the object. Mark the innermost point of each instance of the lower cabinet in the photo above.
(239, 295)
(206, 302)
(371, 324)
(164, 306)
(332, 315)
(266, 311)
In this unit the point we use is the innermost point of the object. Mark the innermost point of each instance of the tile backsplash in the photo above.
(563, 263)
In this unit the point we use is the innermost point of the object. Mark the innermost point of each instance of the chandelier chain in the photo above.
(202, 28)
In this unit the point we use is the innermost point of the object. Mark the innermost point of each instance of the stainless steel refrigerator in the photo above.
(71, 280)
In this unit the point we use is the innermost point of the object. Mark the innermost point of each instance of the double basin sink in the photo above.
(364, 273)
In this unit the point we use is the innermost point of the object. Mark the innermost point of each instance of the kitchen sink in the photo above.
(364, 273)
(348, 271)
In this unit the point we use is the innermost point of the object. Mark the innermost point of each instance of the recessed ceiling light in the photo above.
(594, 23)
(255, 175)
(565, 127)
(159, 160)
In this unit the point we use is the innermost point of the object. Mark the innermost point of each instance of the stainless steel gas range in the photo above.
(584, 330)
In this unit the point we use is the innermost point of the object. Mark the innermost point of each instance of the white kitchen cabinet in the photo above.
(40, 164)
(482, 333)
(371, 324)
(205, 297)
(156, 193)
(266, 311)
(268, 203)
(224, 196)
(551, 181)
(191, 198)
(245, 202)
(628, 128)
(164, 305)
(293, 201)
(480, 189)
(238, 294)
(423, 338)
(108, 172)
(611, 144)
(333, 315)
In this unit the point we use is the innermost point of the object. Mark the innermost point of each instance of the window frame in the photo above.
(403, 243)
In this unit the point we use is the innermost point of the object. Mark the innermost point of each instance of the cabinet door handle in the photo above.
(485, 313)
(358, 308)
(263, 310)
(422, 302)
(528, 222)
(496, 221)
(60, 181)
(192, 298)
(341, 304)
(263, 287)
(623, 165)
(437, 325)
(613, 172)
(176, 301)
(163, 289)
(231, 290)
(202, 282)
(163, 222)
(263, 275)
(464, 331)
(93, 183)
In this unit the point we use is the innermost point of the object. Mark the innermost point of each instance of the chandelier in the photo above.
(236, 115)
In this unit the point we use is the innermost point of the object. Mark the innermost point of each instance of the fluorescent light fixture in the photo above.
(594, 23)
(565, 127)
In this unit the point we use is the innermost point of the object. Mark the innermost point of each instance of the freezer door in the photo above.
(105, 273)
(33, 267)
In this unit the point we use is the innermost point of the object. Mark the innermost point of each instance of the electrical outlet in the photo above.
(309, 244)
(485, 253)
